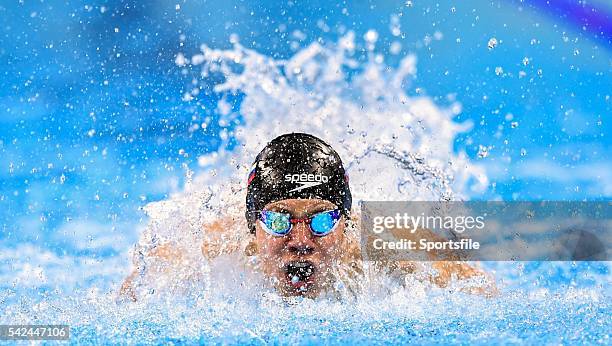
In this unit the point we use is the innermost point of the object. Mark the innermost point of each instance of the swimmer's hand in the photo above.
(165, 255)
(468, 278)
(447, 269)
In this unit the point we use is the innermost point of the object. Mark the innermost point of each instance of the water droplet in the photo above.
(525, 61)
(371, 36)
(180, 59)
(395, 48)
(492, 43)
(482, 151)
(395, 26)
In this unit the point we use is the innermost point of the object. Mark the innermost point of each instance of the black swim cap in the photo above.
(296, 166)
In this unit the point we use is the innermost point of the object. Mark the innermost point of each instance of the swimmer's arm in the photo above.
(170, 255)
(215, 242)
(127, 287)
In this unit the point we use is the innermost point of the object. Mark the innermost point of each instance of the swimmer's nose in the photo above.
(300, 240)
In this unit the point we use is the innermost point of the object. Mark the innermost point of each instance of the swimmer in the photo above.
(301, 229)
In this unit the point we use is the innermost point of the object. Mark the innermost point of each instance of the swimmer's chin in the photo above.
(310, 290)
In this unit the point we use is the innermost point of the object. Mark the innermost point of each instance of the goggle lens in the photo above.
(279, 224)
(323, 223)
(276, 223)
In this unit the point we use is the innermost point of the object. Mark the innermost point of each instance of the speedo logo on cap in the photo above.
(306, 180)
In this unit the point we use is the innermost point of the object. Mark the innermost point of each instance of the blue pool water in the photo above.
(99, 118)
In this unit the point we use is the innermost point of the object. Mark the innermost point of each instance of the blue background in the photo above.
(92, 119)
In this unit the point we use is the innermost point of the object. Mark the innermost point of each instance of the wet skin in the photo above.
(299, 263)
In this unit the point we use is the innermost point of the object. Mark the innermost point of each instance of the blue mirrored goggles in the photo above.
(280, 224)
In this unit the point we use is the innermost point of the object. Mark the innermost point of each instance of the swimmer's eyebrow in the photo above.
(279, 207)
(283, 208)
(320, 207)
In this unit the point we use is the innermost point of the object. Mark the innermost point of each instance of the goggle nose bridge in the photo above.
(304, 220)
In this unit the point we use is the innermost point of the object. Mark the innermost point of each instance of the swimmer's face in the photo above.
(300, 262)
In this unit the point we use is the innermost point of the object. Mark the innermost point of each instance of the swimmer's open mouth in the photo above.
(299, 273)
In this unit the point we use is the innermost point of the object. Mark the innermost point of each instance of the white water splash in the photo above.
(396, 146)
